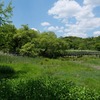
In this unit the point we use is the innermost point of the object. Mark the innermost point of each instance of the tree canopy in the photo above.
(28, 42)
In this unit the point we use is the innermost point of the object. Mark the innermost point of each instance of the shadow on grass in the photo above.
(6, 72)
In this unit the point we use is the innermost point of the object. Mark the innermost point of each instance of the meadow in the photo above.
(36, 65)
(65, 78)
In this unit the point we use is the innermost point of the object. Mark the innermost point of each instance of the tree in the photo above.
(7, 31)
(23, 36)
(49, 45)
(97, 46)
(5, 13)
(29, 50)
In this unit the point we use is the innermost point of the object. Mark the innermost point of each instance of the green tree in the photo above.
(23, 36)
(5, 13)
(97, 46)
(29, 50)
(49, 45)
(7, 31)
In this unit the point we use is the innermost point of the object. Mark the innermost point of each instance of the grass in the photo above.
(81, 71)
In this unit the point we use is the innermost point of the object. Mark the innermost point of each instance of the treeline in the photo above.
(28, 42)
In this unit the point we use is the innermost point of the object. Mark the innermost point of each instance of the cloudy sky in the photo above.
(65, 17)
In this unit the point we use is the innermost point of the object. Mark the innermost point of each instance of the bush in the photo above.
(49, 89)
(31, 90)
(53, 89)
(6, 91)
(83, 93)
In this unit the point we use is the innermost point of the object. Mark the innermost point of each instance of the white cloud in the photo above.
(80, 28)
(92, 2)
(88, 24)
(75, 30)
(45, 24)
(34, 29)
(52, 28)
(55, 29)
(96, 33)
(64, 8)
(76, 34)
(85, 18)
(84, 13)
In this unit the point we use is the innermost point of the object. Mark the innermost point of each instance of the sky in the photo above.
(79, 18)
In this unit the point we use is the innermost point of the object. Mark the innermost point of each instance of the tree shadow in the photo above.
(6, 72)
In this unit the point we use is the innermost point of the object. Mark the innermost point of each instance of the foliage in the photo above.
(97, 46)
(29, 50)
(49, 45)
(5, 13)
(27, 42)
(6, 91)
(40, 90)
(52, 84)
(50, 79)
(23, 36)
(7, 32)
(84, 70)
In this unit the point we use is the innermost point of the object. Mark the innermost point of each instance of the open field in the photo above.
(84, 71)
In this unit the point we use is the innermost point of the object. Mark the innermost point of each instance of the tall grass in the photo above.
(55, 74)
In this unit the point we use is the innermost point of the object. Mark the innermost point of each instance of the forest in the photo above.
(28, 42)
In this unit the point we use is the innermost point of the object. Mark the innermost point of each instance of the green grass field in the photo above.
(84, 71)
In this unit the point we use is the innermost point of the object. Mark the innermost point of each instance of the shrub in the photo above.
(31, 90)
(6, 91)
(83, 93)
(53, 89)
(45, 89)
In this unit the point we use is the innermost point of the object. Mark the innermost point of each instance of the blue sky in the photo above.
(65, 17)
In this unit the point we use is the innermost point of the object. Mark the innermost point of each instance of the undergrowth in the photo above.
(40, 89)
